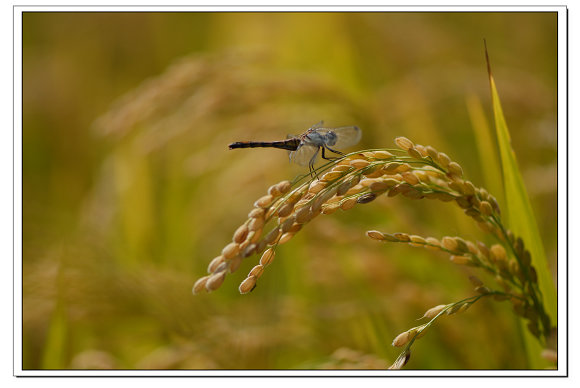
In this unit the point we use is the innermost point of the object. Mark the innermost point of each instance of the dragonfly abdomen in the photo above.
(290, 144)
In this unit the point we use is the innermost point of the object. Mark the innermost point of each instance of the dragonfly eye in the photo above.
(330, 138)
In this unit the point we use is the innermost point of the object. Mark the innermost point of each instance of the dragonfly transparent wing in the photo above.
(303, 155)
(345, 136)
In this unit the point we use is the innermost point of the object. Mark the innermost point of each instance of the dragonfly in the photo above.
(303, 149)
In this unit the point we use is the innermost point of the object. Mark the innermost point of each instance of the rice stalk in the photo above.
(413, 171)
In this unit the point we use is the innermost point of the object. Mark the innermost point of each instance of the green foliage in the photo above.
(487, 148)
(522, 221)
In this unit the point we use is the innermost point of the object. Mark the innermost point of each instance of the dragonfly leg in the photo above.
(311, 162)
(335, 151)
(330, 149)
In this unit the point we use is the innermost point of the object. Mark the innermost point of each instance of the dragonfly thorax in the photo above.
(322, 139)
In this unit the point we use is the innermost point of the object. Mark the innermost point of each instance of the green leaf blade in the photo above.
(521, 220)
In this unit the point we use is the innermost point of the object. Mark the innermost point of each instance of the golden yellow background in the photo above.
(129, 189)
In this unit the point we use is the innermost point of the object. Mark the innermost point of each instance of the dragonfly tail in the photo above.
(290, 144)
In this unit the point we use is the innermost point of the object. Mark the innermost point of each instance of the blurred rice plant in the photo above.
(119, 221)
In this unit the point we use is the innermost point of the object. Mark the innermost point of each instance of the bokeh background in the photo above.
(129, 189)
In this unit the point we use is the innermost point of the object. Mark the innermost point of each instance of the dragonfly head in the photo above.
(330, 138)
